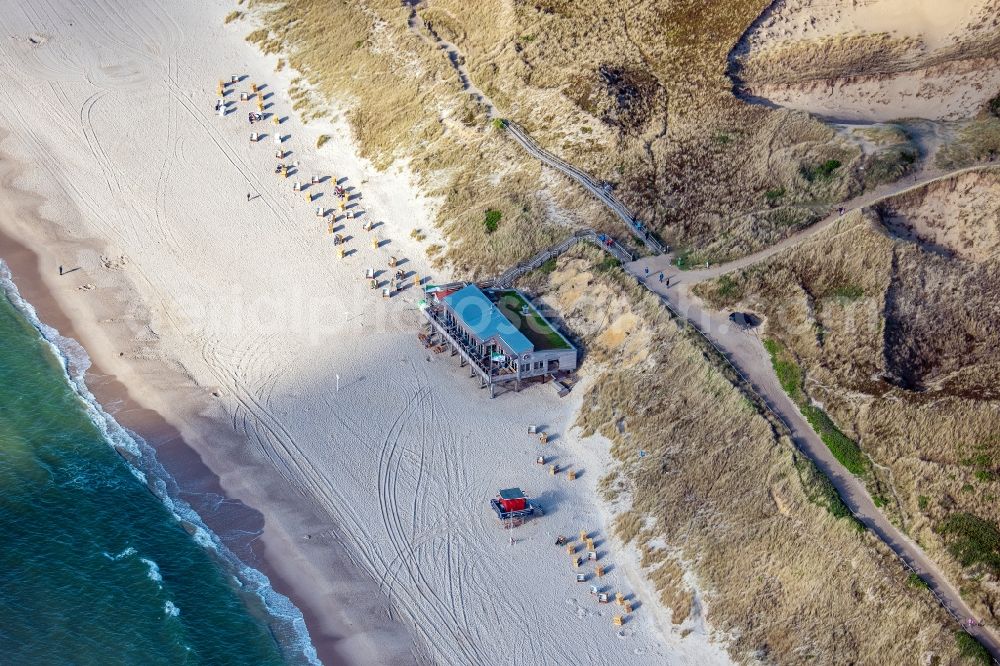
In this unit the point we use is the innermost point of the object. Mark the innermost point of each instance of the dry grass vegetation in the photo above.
(721, 496)
(977, 141)
(824, 59)
(879, 56)
(891, 153)
(635, 93)
(890, 317)
(404, 101)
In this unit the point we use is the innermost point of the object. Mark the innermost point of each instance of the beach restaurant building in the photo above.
(497, 332)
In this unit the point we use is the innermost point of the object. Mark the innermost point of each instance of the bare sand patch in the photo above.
(876, 60)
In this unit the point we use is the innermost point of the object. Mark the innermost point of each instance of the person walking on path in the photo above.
(248, 197)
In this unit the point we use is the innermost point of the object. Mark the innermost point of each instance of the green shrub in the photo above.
(609, 263)
(985, 475)
(913, 580)
(827, 168)
(923, 501)
(774, 195)
(729, 289)
(972, 649)
(983, 462)
(789, 373)
(820, 491)
(823, 171)
(994, 106)
(848, 292)
(972, 540)
(492, 220)
(843, 448)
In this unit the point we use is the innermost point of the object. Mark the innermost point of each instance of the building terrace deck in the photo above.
(529, 321)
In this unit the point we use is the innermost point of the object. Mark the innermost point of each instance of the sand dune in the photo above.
(874, 60)
(198, 291)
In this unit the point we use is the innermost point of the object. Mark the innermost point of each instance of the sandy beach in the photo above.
(296, 410)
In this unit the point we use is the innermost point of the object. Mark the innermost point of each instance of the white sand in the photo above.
(109, 106)
(934, 23)
(939, 77)
(953, 91)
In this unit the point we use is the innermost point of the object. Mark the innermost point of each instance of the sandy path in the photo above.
(457, 60)
(330, 419)
(745, 350)
(663, 263)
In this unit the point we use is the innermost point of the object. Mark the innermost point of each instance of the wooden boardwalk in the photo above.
(592, 186)
(507, 279)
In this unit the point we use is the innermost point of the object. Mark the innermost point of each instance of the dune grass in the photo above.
(391, 78)
(791, 378)
(971, 649)
(973, 541)
(976, 141)
(929, 451)
(739, 509)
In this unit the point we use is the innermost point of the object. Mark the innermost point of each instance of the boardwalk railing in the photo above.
(507, 279)
(609, 200)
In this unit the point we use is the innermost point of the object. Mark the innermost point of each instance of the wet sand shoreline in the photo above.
(240, 525)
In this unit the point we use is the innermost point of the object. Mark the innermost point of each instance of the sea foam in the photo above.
(136, 452)
(154, 571)
(128, 552)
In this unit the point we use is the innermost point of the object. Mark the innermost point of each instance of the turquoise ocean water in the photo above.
(98, 563)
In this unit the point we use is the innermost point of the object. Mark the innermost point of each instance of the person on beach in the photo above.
(661, 278)
(248, 197)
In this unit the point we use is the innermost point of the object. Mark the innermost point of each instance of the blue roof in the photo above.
(484, 320)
